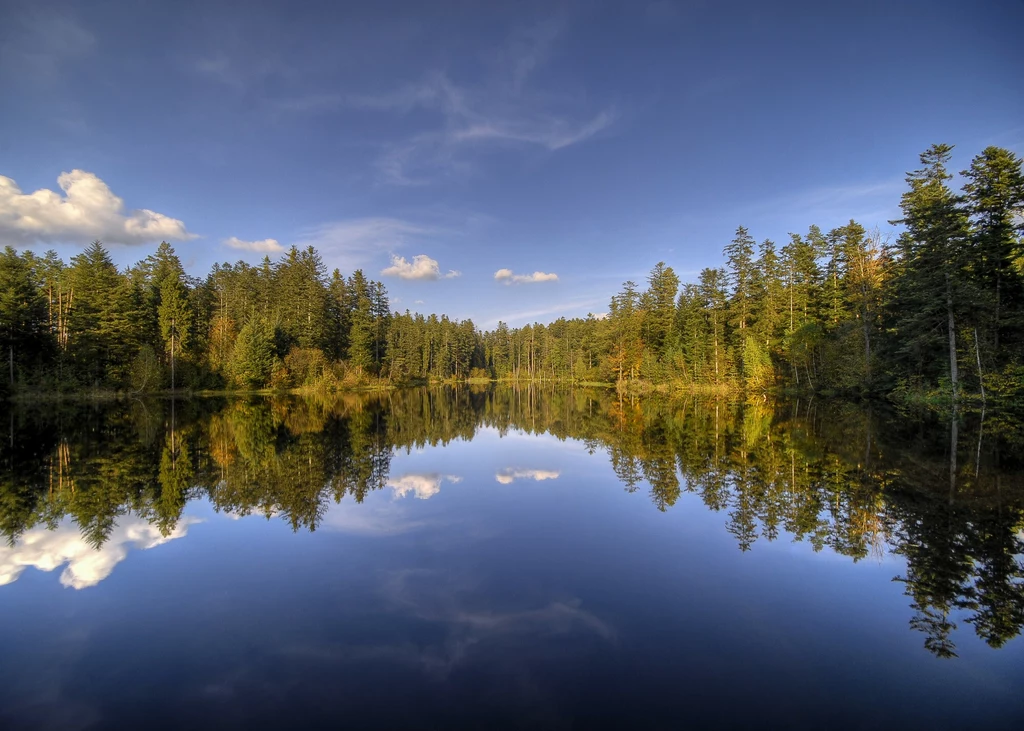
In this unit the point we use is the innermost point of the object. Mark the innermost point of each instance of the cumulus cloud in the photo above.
(422, 485)
(87, 210)
(263, 246)
(86, 566)
(509, 277)
(509, 475)
(421, 267)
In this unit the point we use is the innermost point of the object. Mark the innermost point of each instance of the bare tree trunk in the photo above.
(981, 377)
(999, 278)
(981, 430)
(867, 346)
(954, 376)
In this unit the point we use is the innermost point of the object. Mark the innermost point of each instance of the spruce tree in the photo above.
(930, 287)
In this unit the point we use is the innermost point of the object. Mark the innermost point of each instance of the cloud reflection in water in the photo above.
(86, 566)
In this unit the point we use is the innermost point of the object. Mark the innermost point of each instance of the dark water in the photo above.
(492, 559)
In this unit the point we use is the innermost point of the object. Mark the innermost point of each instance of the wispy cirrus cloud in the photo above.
(263, 246)
(870, 202)
(507, 276)
(446, 120)
(474, 119)
(85, 210)
(41, 43)
(501, 111)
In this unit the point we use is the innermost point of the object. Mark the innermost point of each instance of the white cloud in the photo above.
(88, 210)
(422, 485)
(509, 277)
(421, 267)
(509, 475)
(264, 246)
(356, 242)
(46, 550)
(419, 302)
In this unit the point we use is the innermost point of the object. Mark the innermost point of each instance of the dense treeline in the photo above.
(837, 476)
(941, 308)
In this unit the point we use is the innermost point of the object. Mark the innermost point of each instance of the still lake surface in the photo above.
(495, 558)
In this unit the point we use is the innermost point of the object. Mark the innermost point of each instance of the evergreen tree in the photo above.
(995, 199)
(740, 274)
(625, 323)
(24, 336)
(254, 354)
(659, 303)
(929, 279)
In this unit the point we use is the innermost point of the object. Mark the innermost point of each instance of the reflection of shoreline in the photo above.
(838, 476)
(46, 550)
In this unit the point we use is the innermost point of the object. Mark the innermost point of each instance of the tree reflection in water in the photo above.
(948, 499)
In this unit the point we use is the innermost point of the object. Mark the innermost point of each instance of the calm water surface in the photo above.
(501, 558)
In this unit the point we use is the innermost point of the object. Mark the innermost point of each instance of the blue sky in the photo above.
(435, 145)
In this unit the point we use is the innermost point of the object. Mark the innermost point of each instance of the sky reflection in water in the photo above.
(509, 580)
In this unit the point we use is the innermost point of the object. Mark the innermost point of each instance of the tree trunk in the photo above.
(867, 345)
(999, 278)
(953, 373)
(172, 355)
(981, 377)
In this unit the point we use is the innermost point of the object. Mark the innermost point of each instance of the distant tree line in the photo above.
(939, 309)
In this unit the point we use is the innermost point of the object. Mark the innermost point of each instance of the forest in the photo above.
(936, 312)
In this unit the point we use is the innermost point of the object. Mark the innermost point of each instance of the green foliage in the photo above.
(837, 311)
(24, 337)
(254, 355)
(757, 365)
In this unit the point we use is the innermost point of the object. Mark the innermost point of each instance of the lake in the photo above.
(508, 558)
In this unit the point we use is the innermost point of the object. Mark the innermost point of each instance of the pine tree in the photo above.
(714, 302)
(625, 327)
(739, 254)
(362, 329)
(254, 354)
(995, 198)
(24, 336)
(930, 285)
(659, 303)
(769, 297)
